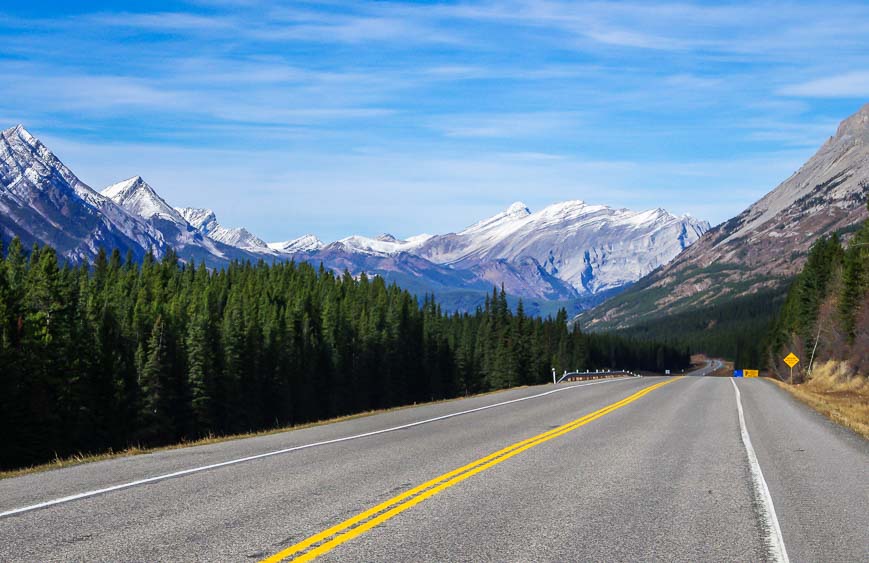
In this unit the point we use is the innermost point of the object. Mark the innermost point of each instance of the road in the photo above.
(648, 468)
(711, 367)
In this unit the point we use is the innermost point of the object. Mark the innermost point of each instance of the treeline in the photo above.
(827, 305)
(116, 353)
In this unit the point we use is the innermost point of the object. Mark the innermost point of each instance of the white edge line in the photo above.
(183, 472)
(774, 540)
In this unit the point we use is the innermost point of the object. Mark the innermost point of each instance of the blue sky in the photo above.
(361, 117)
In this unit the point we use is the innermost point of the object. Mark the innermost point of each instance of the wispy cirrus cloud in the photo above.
(286, 24)
(162, 21)
(847, 85)
(506, 125)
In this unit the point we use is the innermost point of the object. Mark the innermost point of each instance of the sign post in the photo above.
(791, 360)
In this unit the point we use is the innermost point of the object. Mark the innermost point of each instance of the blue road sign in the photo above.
(737, 373)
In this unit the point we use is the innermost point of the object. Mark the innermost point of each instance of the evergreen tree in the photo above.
(855, 279)
(198, 372)
(154, 415)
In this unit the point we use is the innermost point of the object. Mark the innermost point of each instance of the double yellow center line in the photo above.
(329, 539)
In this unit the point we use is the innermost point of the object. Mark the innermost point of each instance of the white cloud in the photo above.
(165, 21)
(848, 85)
(625, 38)
(506, 125)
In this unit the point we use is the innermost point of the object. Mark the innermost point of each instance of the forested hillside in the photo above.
(117, 353)
(826, 313)
(738, 330)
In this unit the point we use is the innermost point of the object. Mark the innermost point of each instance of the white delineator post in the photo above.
(553, 375)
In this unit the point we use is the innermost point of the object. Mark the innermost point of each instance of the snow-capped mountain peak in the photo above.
(139, 198)
(518, 209)
(384, 244)
(205, 221)
(19, 149)
(201, 219)
(305, 243)
(507, 219)
(24, 134)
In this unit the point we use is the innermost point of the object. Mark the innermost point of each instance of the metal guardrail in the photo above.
(595, 374)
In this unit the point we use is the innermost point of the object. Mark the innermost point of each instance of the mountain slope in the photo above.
(762, 247)
(42, 201)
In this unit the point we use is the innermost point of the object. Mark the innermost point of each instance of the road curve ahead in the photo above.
(683, 468)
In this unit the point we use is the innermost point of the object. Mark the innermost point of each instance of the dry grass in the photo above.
(79, 459)
(838, 393)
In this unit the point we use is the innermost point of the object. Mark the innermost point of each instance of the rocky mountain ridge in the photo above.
(764, 246)
(570, 252)
(42, 201)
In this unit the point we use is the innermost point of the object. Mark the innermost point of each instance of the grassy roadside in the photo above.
(837, 394)
(80, 459)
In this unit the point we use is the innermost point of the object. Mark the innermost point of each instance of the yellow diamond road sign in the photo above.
(791, 360)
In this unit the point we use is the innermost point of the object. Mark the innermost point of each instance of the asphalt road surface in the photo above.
(634, 469)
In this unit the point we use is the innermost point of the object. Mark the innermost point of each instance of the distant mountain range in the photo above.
(764, 246)
(570, 253)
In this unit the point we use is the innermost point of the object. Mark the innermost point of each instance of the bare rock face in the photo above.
(764, 245)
